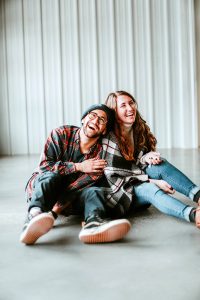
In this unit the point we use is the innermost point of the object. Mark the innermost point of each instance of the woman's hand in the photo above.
(163, 185)
(153, 158)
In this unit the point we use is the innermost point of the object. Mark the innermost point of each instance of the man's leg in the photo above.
(47, 187)
(39, 220)
(98, 229)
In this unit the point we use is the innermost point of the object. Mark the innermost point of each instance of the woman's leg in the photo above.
(149, 193)
(179, 181)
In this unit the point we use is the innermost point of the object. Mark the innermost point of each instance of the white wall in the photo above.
(197, 31)
(58, 57)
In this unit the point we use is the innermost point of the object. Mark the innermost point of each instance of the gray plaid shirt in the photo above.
(121, 175)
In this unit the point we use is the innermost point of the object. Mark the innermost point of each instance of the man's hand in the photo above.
(91, 166)
(163, 185)
(153, 158)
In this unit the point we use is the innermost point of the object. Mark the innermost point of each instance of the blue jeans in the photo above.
(50, 187)
(149, 193)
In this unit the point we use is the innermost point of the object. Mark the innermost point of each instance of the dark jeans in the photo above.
(51, 187)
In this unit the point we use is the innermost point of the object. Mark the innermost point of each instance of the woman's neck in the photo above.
(127, 130)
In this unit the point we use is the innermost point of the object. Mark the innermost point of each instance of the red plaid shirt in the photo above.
(59, 156)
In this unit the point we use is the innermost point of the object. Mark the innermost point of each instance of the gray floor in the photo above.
(159, 258)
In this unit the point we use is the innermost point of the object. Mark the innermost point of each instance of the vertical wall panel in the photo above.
(70, 61)
(161, 72)
(182, 75)
(143, 59)
(190, 77)
(124, 45)
(174, 40)
(106, 47)
(197, 35)
(59, 56)
(179, 57)
(34, 75)
(16, 77)
(88, 53)
(52, 63)
(5, 147)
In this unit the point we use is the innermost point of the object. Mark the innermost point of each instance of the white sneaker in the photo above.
(96, 230)
(35, 227)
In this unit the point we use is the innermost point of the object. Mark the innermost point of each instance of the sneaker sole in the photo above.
(37, 227)
(110, 232)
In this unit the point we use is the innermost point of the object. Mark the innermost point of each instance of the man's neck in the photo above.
(86, 143)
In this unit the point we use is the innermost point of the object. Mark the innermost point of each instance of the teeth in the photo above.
(91, 127)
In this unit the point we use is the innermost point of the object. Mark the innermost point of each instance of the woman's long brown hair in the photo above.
(142, 136)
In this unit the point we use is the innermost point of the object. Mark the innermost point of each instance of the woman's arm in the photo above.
(151, 158)
(163, 185)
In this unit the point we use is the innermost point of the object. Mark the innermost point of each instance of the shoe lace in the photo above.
(95, 218)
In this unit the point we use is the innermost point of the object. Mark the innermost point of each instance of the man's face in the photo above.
(94, 124)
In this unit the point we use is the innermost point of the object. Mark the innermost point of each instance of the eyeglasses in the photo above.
(92, 115)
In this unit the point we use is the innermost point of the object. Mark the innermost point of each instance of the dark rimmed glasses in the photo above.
(92, 115)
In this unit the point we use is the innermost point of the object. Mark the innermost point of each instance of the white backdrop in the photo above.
(58, 57)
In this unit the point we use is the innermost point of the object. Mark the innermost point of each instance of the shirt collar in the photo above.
(77, 136)
(77, 141)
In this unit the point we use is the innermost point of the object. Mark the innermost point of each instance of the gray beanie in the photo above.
(109, 112)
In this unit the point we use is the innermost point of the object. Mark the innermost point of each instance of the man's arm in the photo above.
(91, 166)
(52, 156)
(55, 151)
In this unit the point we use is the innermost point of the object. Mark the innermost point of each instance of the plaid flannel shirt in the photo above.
(120, 175)
(58, 157)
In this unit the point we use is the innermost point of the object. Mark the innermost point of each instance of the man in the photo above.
(69, 166)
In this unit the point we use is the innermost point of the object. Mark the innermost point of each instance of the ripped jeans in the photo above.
(149, 193)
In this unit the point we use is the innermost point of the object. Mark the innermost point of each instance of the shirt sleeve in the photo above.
(55, 147)
(141, 163)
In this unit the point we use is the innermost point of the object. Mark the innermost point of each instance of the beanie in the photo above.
(109, 112)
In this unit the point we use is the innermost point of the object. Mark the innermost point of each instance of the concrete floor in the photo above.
(159, 258)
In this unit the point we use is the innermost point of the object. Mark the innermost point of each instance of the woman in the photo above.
(136, 174)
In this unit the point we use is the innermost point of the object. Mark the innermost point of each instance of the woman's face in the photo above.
(126, 110)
